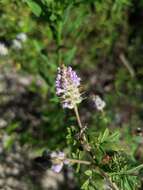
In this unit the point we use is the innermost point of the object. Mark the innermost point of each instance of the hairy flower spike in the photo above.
(67, 87)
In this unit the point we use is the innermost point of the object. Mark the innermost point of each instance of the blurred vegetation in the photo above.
(102, 39)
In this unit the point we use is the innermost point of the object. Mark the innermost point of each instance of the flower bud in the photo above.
(99, 103)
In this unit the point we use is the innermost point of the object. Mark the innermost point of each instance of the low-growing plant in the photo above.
(99, 156)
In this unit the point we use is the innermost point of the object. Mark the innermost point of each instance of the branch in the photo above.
(87, 148)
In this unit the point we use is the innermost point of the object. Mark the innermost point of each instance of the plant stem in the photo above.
(85, 145)
(78, 117)
(79, 161)
(111, 184)
(59, 56)
(127, 65)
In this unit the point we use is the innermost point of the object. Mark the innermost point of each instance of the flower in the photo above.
(99, 103)
(16, 44)
(3, 49)
(22, 37)
(58, 160)
(67, 87)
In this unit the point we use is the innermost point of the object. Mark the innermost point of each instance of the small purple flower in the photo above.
(57, 167)
(58, 160)
(67, 87)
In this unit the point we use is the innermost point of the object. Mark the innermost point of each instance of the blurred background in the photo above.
(103, 41)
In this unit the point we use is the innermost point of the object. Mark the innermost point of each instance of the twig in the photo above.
(82, 137)
(127, 65)
(111, 184)
(78, 161)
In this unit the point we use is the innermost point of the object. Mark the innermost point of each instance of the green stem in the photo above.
(78, 161)
(78, 117)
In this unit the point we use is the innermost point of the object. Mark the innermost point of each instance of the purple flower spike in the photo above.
(67, 87)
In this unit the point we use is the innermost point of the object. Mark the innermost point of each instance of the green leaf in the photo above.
(105, 135)
(53, 17)
(85, 185)
(88, 172)
(135, 169)
(74, 155)
(69, 56)
(47, 1)
(91, 188)
(112, 146)
(35, 8)
(12, 127)
(114, 137)
(127, 185)
(78, 168)
(9, 142)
